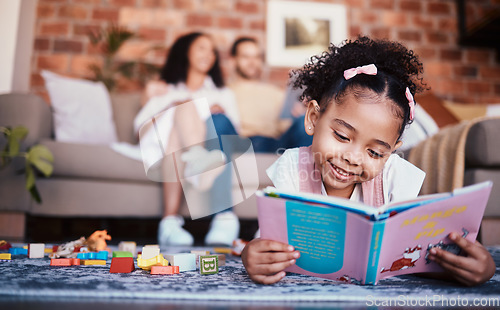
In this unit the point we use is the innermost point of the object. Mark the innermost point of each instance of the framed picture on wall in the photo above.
(297, 30)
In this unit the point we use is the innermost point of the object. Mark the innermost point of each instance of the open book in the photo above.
(343, 240)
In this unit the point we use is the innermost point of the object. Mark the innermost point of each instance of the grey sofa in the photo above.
(90, 180)
(95, 181)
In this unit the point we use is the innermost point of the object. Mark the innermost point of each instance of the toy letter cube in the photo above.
(36, 250)
(185, 261)
(209, 264)
(150, 252)
(128, 246)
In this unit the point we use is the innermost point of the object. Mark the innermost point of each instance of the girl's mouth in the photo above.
(340, 174)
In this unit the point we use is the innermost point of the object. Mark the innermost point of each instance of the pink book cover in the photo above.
(339, 244)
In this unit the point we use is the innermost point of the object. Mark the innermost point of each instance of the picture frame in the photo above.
(297, 30)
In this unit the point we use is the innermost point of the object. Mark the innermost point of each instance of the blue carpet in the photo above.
(34, 278)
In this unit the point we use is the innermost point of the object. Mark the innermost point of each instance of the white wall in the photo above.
(17, 22)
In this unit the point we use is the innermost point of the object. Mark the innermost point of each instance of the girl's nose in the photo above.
(353, 157)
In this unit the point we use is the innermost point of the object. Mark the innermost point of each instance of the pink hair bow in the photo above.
(368, 69)
(411, 103)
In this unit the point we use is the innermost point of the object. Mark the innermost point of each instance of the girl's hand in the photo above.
(265, 260)
(216, 109)
(475, 268)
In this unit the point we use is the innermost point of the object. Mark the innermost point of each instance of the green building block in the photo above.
(209, 264)
(122, 254)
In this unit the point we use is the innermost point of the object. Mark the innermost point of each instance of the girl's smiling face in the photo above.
(352, 139)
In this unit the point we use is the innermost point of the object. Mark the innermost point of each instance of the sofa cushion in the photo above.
(473, 176)
(81, 108)
(93, 161)
(483, 146)
(125, 108)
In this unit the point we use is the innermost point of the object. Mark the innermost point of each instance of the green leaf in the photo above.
(14, 138)
(30, 176)
(40, 157)
(20, 132)
(35, 194)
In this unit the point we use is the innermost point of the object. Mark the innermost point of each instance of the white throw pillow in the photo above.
(82, 110)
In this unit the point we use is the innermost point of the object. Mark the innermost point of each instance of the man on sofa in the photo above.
(260, 104)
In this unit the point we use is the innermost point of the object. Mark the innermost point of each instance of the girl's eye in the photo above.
(375, 154)
(341, 137)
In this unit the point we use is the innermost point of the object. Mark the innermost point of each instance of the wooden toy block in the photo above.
(61, 262)
(65, 262)
(5, 256)
(18, 251)
(150, 252)
(200, 252)
(122, 254)
(185, 261)
(102, 255)
(4, 245)
(47, 250)
(223, 250)
(221, 259)
(36, 250)
(128, 246)
(176, 269)
(88, 262)
(146, 264)
(209, 264)
(122, 265)
(162, 270)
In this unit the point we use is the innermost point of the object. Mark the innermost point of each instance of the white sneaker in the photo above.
(224, 229)
(170, 232)
(203, 166)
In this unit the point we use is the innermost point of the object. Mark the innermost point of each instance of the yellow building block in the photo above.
(48, 250)
(222, 250)
(5, 256)
(146, 264)
(88, 262)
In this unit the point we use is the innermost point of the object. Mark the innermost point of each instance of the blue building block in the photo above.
(18, 251)
(102, 255)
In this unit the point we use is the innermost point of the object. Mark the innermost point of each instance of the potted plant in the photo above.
(37, 157)
(110, 40)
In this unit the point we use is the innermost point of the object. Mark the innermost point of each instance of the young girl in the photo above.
(360, 99)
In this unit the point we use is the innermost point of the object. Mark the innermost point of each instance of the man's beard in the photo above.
(246, 76)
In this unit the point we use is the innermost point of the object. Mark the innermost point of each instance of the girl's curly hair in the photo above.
(322, 79)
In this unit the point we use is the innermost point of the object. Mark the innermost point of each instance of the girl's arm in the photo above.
(474, 269)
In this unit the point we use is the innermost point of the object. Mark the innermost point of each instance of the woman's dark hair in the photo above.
(176, 65)
(397, 68)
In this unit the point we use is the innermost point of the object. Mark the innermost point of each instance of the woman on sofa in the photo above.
(191, 72)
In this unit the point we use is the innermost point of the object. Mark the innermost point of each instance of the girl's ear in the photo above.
(311, 117)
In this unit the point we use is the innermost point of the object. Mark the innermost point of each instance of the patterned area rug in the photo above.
(34, 278)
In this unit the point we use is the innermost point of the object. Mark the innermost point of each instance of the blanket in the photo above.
(442, 157)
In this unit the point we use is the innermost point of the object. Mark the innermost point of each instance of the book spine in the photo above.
(374, 252)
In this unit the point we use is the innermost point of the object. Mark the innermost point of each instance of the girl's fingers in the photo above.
(269, 258)
(269, 279)
(467, 246)
(272, 246)
(460, 262)
(463, 276)
(270, 269)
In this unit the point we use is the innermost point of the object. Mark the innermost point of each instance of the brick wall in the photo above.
(429, 27)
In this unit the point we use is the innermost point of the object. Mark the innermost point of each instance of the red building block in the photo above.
(65, 262)
(122, 265)
(162, 270)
